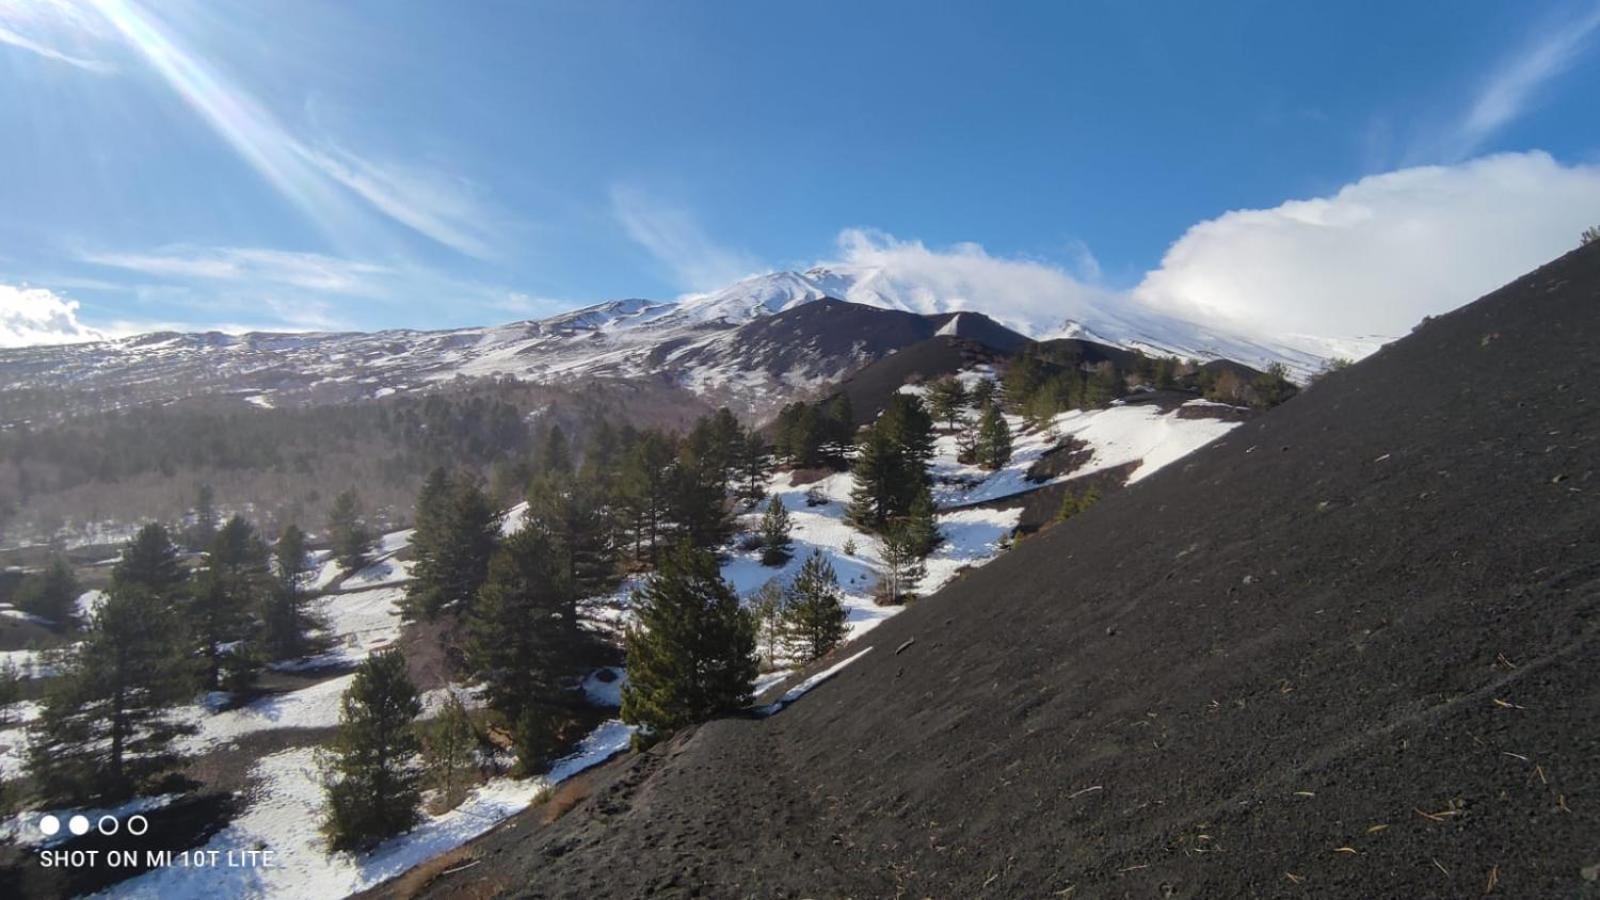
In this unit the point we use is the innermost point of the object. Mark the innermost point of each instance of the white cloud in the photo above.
(37, 316)
(1510, 88)
(44, 27)
(1379, 254)
(673, 237)
(337, 189)
(1032, 295)
(22, 42)
(430, 204)
(254, 265)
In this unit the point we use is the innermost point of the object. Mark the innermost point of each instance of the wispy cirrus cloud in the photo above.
(675, 238)
(252, 265)
(53, 30)
(1513, 86)
(296, 290)
(337, 189)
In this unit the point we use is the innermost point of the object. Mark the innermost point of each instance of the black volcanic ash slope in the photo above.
(1351, 650)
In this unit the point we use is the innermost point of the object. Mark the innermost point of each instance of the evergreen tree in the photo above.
(150, 561)
(838, 429)
(872, 497)
(724, 443)
(946, 397)
(754, 468)
(370, 780)
(353, 541)
(644, 488)
(572, 512)
(1272, 387)
(555, 456)
(1074, 503)
(1102, 387)
(51, 594)
(691, 652)
(907, 423)
(524, 637)
(105, 730)
(767, 608)
(891, 465)
(10, 691)
(222, 613)
(776, 545)
(813, 611)
(994, 439)
(457, 530)
(800, 435)
(285, 620)
(699, 500)
(982, 393)
(205, 518)
(449, 753)
(902, 568)
(921, 524)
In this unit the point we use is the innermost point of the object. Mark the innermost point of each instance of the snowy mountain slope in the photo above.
(752, 345)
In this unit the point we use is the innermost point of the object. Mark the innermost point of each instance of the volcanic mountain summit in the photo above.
(1349, 649)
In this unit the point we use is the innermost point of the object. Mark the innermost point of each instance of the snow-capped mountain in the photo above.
(752, 345)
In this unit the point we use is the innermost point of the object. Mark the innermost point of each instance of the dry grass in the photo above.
(417, 879)
(564, 797)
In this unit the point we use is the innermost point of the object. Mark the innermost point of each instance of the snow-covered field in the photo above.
(287, 810)
(364, 617)
(1114, 437)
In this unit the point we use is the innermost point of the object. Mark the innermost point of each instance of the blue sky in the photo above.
(375, 164)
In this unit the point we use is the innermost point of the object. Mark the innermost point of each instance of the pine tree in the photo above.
(644, 487)
(449, 753)
(982, 393)
(228, 593)
(105, 730)
(10, 691)
(813, 610)
(205, 518)
(150, 561)
(691, 653)
(994, 439)
(371, 783)
(767, 607)
(285, 619)
(524, 637)
(457, 529)
(353, 541)
(1074, 503)
(921, 525)
(51, 594)
(800, 435)
(902, 568)
(776, 545)
(698, 500)
(906, 422)
(891, 465)
(872, 499)
(946, 397)
(573, 515)
(555, 456)
(838, 429)
(754, 468)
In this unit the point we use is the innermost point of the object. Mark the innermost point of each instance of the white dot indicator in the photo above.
(78, 824)
(49, 825)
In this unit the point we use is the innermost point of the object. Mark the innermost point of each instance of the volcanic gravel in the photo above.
(1349, 650)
